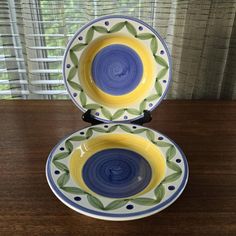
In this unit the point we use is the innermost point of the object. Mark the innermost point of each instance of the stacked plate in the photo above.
(117, 67)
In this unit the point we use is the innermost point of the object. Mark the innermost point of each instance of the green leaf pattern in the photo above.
(162, 73)
(100, 29)
(63, 179)
(172, 177)
(79, 47)
(161, 61)
(83, 99)
(60, 156)
(145, 36)
(89, 133)
(117, 27)
(95, 202)
(116, 204)
(89, 35)
(159, 192)
(92, 106)
(118, 114)
(71, 74)
(74, 58)
(75, 85)
(73, 190)
(158, 88)
(150, 135)
(106, 113)
(142, 105)
(131, 28)
(153, 45)
(173, 166)
(69, 146)
(144, 201)
(61, 166)
(133, 111)
(170, 153)
(126, 128)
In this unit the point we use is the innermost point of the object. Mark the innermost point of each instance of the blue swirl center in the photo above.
(117, 69)
(116, 173)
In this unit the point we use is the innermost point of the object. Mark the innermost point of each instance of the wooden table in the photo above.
(206, 131)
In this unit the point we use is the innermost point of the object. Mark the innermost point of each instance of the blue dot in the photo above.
(82, 133)
(77, 198)
(68, 65)
(74, 94)
(130, 207)
(62, 148)
(106, 22)
(105, 126)
(125, 117)
(178, 160)
(150, 104)
(140, 28)
(96, 113)
(162, 52)
(160, 138)
(80, 38)
(57, 172)
(171, 187)
(164, 81)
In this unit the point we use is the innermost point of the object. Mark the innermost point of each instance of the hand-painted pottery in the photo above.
(117, 171)
(117, 66)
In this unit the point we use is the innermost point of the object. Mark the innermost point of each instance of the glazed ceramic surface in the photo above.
(117, 171)
(117, 66)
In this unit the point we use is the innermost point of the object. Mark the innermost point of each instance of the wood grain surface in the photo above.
(205, 130)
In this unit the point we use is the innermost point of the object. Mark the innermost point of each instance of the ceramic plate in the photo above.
(117, 171)
(117, 66)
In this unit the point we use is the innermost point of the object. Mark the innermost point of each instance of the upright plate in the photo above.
(117, 66)
(117, 171)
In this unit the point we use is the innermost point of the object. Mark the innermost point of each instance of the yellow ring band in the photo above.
(127, 141)
(96, 93)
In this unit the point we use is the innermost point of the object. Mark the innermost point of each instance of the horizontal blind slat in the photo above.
(34, 82)
(49, 92)
(27, 92)
(47, 48)
(45, 59)
(53, 71)
(31, 71)
(14, 92)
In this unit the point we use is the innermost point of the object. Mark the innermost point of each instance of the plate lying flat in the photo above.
(117, 171)
(117, 66)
